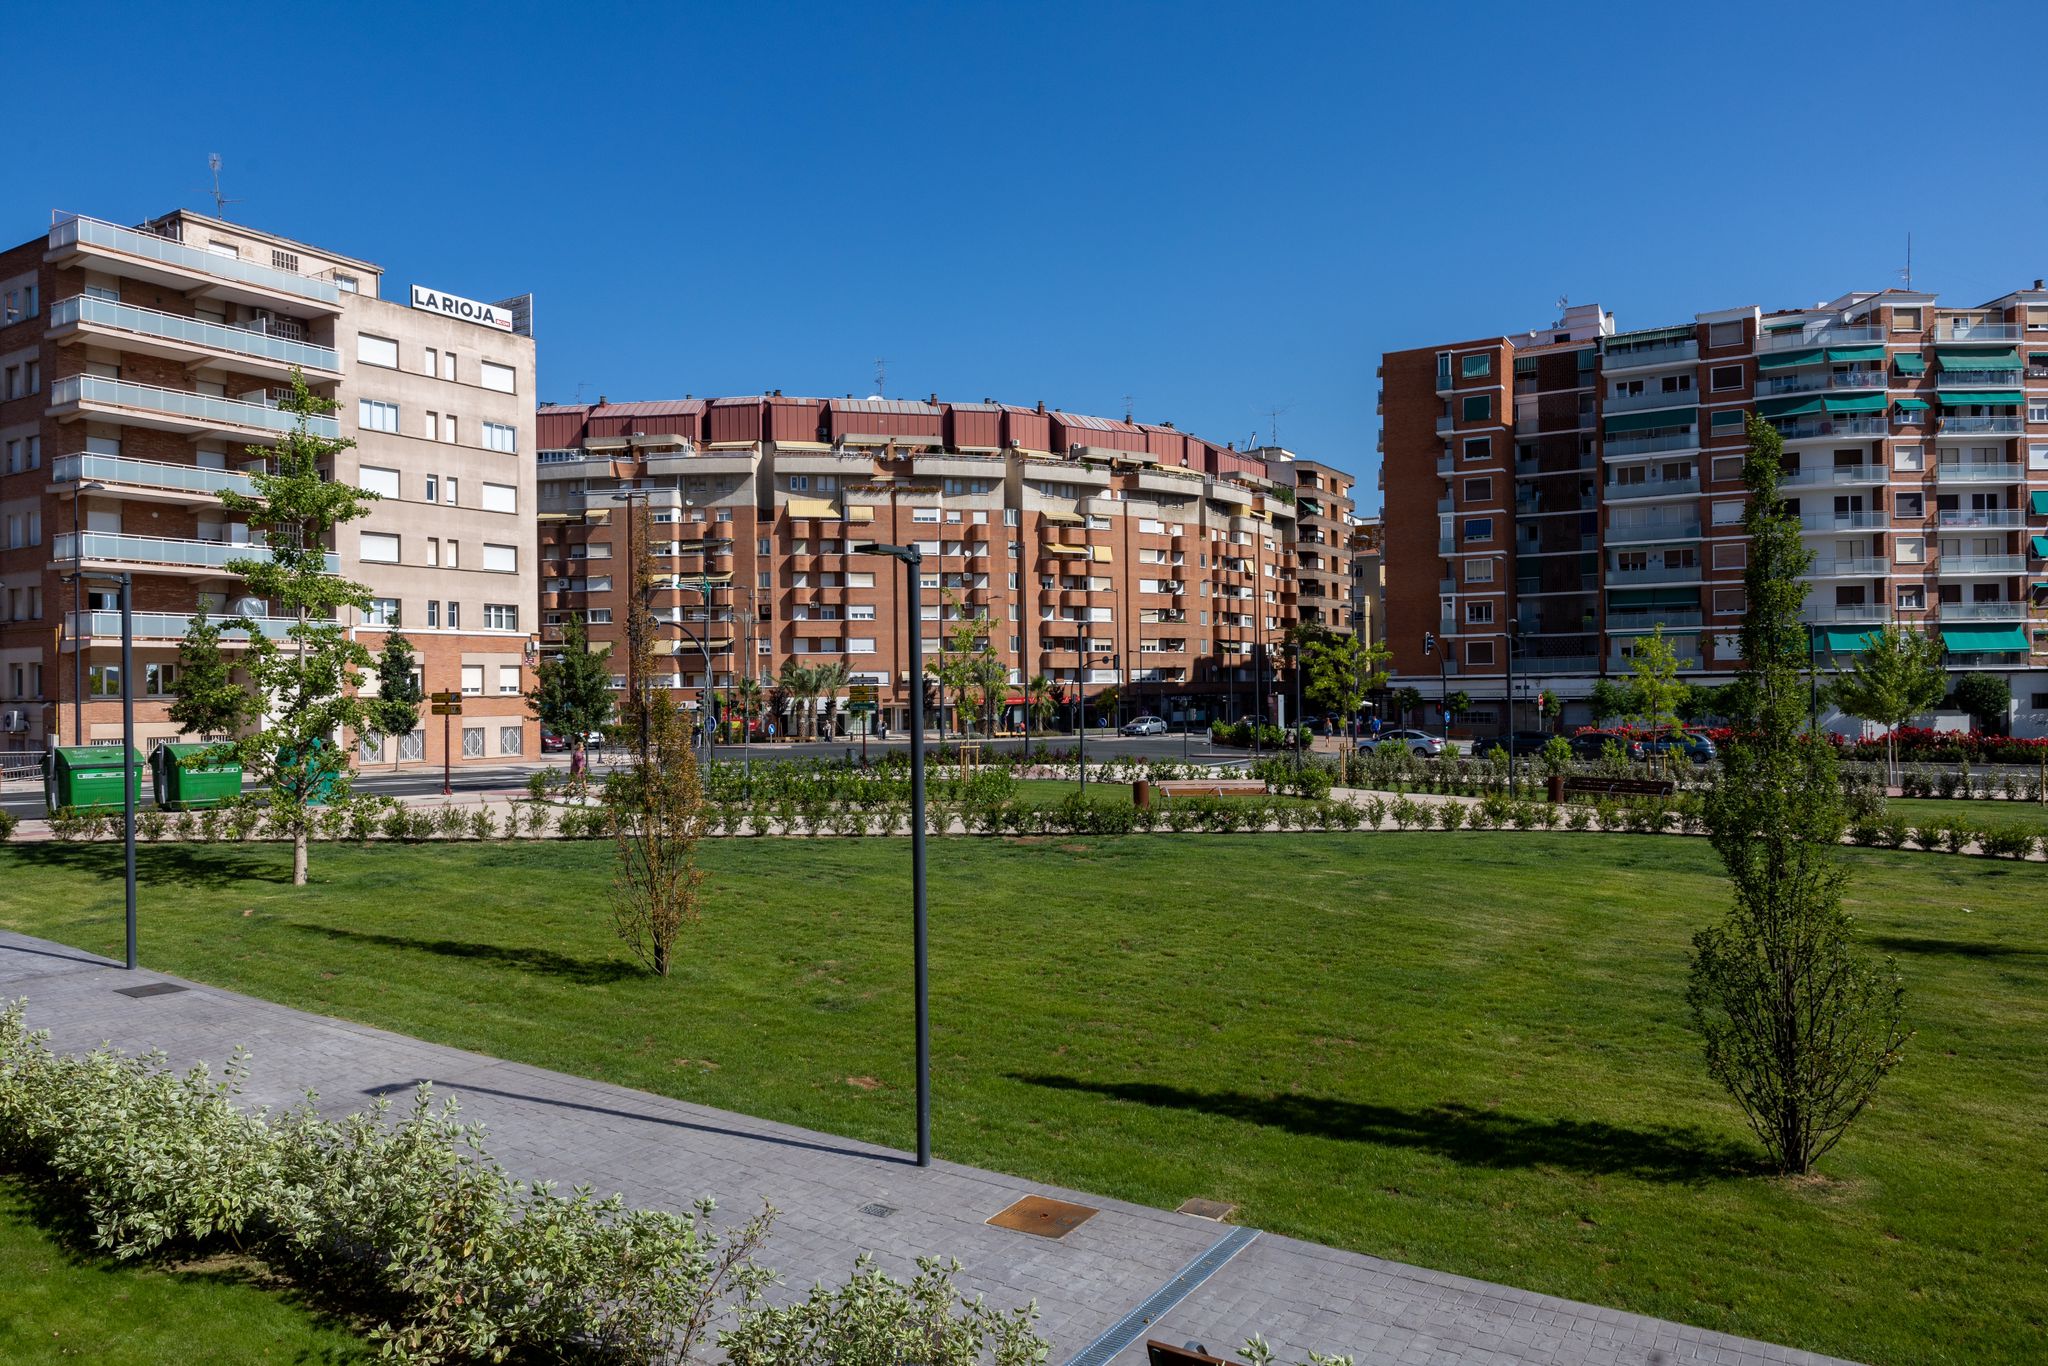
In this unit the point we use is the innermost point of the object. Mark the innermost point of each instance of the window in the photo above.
(1479, 652)
(103, 680)
(1479, 448)
(376, 351)
(500, 436)
(373, 416)
(501, 498)
(1479, 614)
(448, 369)
(508, 676)
(348, 284)
(1910, 549)
(472, 680)
(1912, 505)
(1727, 514)
(1724, 334)
(381, 612)
(433, 488)
(1475, 367)
(1478, 529)
(511, 738)
(454, 612)
(1724, 377)
(159, 680)
(448, 428)
(860, 645)
(1912, 597)
(1728, 602)
(1905, 320)
(432, 367)
(432, 426)
(924, 514)
(598, 616)
(1478, 408)
(799, 483)
(1909, 457)
(378, 480)
(501, 616)
(1479, 571)
(433, 613)
(1727, 422)
(2037, 410)
(1478, 490)
(500, 559)
(450, 486)
(377, 547)
(502, 378)
(1731, 554)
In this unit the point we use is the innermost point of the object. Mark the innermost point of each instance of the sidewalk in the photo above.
(1124, 1274)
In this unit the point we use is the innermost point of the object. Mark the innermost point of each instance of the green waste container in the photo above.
(88, 778)
(185, 781)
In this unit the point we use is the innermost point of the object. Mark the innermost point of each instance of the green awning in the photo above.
(2038, 501)
(1992, 398)
(1785, 360)
(1788, 407)
(2037, 357)
(1845, 642)
(1853, 353)
(1953, 358)
(1910, 363)
(2039, 544)
(1970, 640)
(1650, 421)
(1785, 327)
(1913, 405)
(1856, 403)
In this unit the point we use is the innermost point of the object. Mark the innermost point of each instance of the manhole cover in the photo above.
(1208, 1209)
(878, 1210)
(1044, 1217)
(153, 989)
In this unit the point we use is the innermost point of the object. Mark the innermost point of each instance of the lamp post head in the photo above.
(909, 554)
(91, 486)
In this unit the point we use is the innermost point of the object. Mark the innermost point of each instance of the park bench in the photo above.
(1583, 786)
(1197, 787)
(1159, 1353)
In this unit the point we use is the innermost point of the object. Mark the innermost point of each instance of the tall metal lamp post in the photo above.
(125, 585)
(78, 604)
(912, 560)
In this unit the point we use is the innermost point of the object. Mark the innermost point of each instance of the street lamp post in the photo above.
(912, 560)
(78, 607)
(125, 584)
(636, 686)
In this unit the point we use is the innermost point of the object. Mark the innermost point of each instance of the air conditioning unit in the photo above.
(13, 722)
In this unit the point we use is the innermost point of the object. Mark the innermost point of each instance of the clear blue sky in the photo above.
(1218, 210)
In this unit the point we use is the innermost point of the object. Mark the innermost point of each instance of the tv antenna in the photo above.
(1272, 416)
(220, 201)
(881, 376)
(1129, 409)
(1908, 271)
(1564, 304)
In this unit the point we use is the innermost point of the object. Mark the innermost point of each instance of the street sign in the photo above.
(446, 709)
(444, 697)
(861, 694)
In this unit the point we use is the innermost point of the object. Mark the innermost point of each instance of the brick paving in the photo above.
(549, 1126)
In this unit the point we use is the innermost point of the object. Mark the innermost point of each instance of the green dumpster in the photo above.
(88, 778)
(185, 781)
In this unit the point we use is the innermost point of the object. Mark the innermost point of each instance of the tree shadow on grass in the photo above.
(582, 971)
(1467, 1136)
(1957, 948)
(185, 865)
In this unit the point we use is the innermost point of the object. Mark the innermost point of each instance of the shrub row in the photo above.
(1994, 841)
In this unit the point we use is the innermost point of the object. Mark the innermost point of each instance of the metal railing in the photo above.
(1445, 422)
(1985, 517)
(1819, 336)
(1982, 564)
(1653, 529)
(1802, 384)
(1659, 353)
(1966, 472)
(1650, 618)
(168, 625)
(1630, 403)
(94, 232)
(117, 547)
(150, 322)
(1982, 426)
(1957, 376)
(1956, 330)
(1656, 573)
(1861, 568)
(203, 408)
(1654, 488)
(1983, 611)
(1844, 521)
(1648, 445)
(1836, 427)
(1824, 476)
(1847, 614)
(155, 474)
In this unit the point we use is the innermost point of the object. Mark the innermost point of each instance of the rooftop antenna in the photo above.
(1564, 305)
(881, 376)
(1272, 416)
(220, 201)
(1908, 271)
(1129, 408)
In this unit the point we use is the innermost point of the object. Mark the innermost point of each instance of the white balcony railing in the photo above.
(150, 474)
(1821, 335)
(1844, 521)
(1803, 384)
(94, 232)
(1676, 352)
(149, 322)
(1957, 330)
(1983, 611)
(1865, 567)
(199, 408)
(117, 547)
(1952, 425)
(1650, 445)
(1846, 614)
(1984, 517)
(168, 625)
(1967, 472)
(1836, 428)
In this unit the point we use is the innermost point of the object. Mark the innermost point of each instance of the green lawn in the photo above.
(1467, 1051)
(1979, 814)
(61, 1306)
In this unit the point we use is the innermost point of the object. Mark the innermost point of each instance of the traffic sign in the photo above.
(861, 693)
(446, 709)
(444, 697)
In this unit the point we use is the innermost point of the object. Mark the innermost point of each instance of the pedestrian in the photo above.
(577, 763)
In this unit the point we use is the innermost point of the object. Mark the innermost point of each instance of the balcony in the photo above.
(1983, 611)
(1444, 423)
(1957, 330)
(1445, 381)
(1635, 532)
(177, 409)
(150, 478)
(1832, 476)
(1955, 376)
(1767, 385)
(1795, 337)
(1650, 445)
(98, 627)
(1982, 426)
(1862, 567)
(1814, 522)
(1653, 488)
(168, 334)
(1445, 465)
(1655, 573)
(1966, 472)
(1845, 614)
(1966, 566)
(1646, 619)
(1650, 399)
(1644, 357)
(1981, 517)
(167, 261)
(1833, 428)
(161, 552)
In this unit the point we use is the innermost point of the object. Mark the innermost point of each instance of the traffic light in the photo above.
(1429, 642)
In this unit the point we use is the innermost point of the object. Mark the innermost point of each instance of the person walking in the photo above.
(578, 764)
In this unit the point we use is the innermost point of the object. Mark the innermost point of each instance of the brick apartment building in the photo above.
(1322, 534)
(139, 374)
(1368, 581)
(1581, 486)
(1103, 553)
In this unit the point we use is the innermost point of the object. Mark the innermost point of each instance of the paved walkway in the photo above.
(840, 1197)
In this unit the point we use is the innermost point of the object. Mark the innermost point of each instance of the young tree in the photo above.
(1407, 702)
(656, 814)
(306, 685)
(210, 704)
(395, 710)
(1895, 679)
(1660, 694)
(572, 687)
(1988, 700)
(960, 641)
(987, 680)
(1455, 706)
(1797, 1025)
(1611, 699)
(1338, 671)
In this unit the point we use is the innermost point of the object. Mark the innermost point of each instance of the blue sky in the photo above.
(1216, 209)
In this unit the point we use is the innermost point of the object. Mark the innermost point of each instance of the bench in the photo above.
(1579, 786)
(1159, 1353)
(1141, 792)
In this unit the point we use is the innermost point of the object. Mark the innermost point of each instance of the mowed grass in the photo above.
(64, 1305)
(1466, 1051)
(1976, 813)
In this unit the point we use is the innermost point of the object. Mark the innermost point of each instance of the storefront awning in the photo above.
(1974, 640)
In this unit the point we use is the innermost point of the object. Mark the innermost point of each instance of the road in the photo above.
(26, 801)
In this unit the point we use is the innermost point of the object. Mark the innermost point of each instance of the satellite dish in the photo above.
(876, 398)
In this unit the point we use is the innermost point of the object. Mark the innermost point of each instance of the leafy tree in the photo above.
(1039, 696)
(1107, 701)
(1339, 670)
(1456, 705)
(1611, 699)
(1895, 679)
(305, 686)
(210, 704)
(1987, 698)
(395, 710)
(656, 817)
(572, 687)
(1549, 706)
(1659, 692)
(953, 669)
(747, 693)
(1407, 702)
(1797, 1025)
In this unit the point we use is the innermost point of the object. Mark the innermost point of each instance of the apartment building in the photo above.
(1587, 490)
(140, 372)
(1322, 540)
(1368, 581)
(1102, 553)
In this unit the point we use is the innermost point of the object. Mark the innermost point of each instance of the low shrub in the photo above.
(483, 824)
(2006, 841)
(151, 824)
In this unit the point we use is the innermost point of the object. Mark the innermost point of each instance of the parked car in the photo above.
(1145, 725)
(1522, 742)
(1591, 744)
(1691, 745)
(551, 743)
(1420, 742)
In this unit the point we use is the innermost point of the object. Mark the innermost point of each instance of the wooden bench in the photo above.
(1193, 787)
(1580, 786)
(1159, 1353)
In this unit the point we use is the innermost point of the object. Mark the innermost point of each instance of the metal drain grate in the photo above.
(880, 1211)
(1125, 1330)
(153, 989)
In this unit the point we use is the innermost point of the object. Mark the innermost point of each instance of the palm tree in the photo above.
(799, 685)
(830, 678)
(1038, 697)
(990, 679)
(748, 691)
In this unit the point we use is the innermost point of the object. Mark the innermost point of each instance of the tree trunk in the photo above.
(299, 859)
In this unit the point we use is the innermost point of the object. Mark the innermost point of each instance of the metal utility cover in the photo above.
(1044, 1217)
(1207, 1209)
(153, 989)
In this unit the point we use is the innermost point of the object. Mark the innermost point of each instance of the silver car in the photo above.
(1420, 742)
(1145, 725)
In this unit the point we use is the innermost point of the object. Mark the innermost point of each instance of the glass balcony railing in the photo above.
(1649, 399)
(154, 474)
(1844, 521)
(1964, 472)
(167, 625)
(1987, 517)
(1656, 573)
(1767, 385)
(1983, 611)
(1960, 330)
(1653, 529)
(200, 408)
(1654, 488)
(1823, 476)
(1833, 427)
(1864, 568)
(1650, 618)
(117, 547)
(1661, 353)
(1982, 564)
(1982, 426)
(149, 322)
(1648, 445)
(93, 232)
(1794, 337)
(1844, 614)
